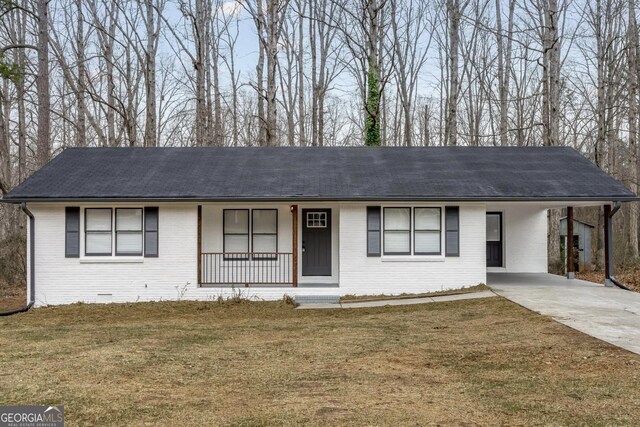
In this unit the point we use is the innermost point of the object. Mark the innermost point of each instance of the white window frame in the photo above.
(385, 231)
(266, 256)
(112, 256)
(316, 216)
(412, 256)
(88, 232)
(117, 232)
(415, 231)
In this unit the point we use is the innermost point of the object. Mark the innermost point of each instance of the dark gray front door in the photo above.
(316, 242)
(494, 239)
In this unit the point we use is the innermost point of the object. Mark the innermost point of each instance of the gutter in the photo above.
(32, 263)
(313, 198)
(609, 274)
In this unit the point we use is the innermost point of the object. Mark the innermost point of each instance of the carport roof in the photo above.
(321, 173)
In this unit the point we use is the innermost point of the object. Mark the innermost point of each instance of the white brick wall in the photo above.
(525, 237)
(61, 280)
(360, 274)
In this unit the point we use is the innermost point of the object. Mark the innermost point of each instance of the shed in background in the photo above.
(582, 233)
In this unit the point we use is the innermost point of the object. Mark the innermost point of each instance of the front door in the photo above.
(494, 239)
(316, 242)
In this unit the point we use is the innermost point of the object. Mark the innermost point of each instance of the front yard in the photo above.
(484, 362)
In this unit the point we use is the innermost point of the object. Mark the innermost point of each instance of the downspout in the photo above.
(609, 275)
(32, 263)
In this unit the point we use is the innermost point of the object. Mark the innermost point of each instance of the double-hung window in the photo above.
(98, 226)
(264, 233)
(129, 231)
(408, 231)
(397, 231)
(241, 237)
(426, 231)
(236, 233)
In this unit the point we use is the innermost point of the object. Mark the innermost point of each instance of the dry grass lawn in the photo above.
(465, 290)
(479, 362)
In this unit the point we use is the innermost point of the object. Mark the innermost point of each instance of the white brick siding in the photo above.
(173, 274)
(524, 237)
(360, 274)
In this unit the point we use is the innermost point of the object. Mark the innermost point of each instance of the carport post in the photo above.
(608, 246)
(571, 270)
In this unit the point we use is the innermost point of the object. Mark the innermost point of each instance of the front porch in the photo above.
(267, 245)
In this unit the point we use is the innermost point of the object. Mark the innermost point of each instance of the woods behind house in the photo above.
(101, 73)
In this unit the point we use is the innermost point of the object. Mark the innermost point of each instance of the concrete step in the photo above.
(317, 299)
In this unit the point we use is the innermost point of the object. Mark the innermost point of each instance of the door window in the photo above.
(316, 220)
(493, 228)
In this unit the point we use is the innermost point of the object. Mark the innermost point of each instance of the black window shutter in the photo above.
(452, 231)
(373, 231)
(151, 232)
(72, 232)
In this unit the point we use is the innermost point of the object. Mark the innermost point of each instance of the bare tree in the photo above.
(152, 27)
(454, 11)
(411, 48)
(42, 85)
(632, 83)
(81, 113)
(504, 66)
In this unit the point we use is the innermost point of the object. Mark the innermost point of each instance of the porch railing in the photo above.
(246, 268)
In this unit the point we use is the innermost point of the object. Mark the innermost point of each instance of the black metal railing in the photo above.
(246, 268)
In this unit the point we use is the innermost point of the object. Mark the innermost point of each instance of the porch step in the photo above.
(317, 299)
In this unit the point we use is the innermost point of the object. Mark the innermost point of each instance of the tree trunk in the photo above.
(199, 65)
(504, 68)
(217, 97)
(5, 141)
(273, 32)
(42, 85)
(554, 72)
(81, 114)
(262, 120)
(453, 10)
(300, 79)
(150, 76)
(372, 106)
(111, 86)
(632, 87)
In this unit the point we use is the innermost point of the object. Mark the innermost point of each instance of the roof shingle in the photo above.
(336, 173)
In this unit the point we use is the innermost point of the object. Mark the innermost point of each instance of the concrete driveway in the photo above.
(610, 314)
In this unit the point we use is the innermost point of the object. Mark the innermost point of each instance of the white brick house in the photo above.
(126, 225)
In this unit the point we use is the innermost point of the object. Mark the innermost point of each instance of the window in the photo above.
(264, 233)
(129, 231)
(135, 229)
(236, 231)
(373, 231)
(97, 223)
(316, 220)
(494, 228)
(407, 231)
(397, 231)
(426, 231)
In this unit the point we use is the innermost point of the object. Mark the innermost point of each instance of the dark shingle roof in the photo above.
(344, 173)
